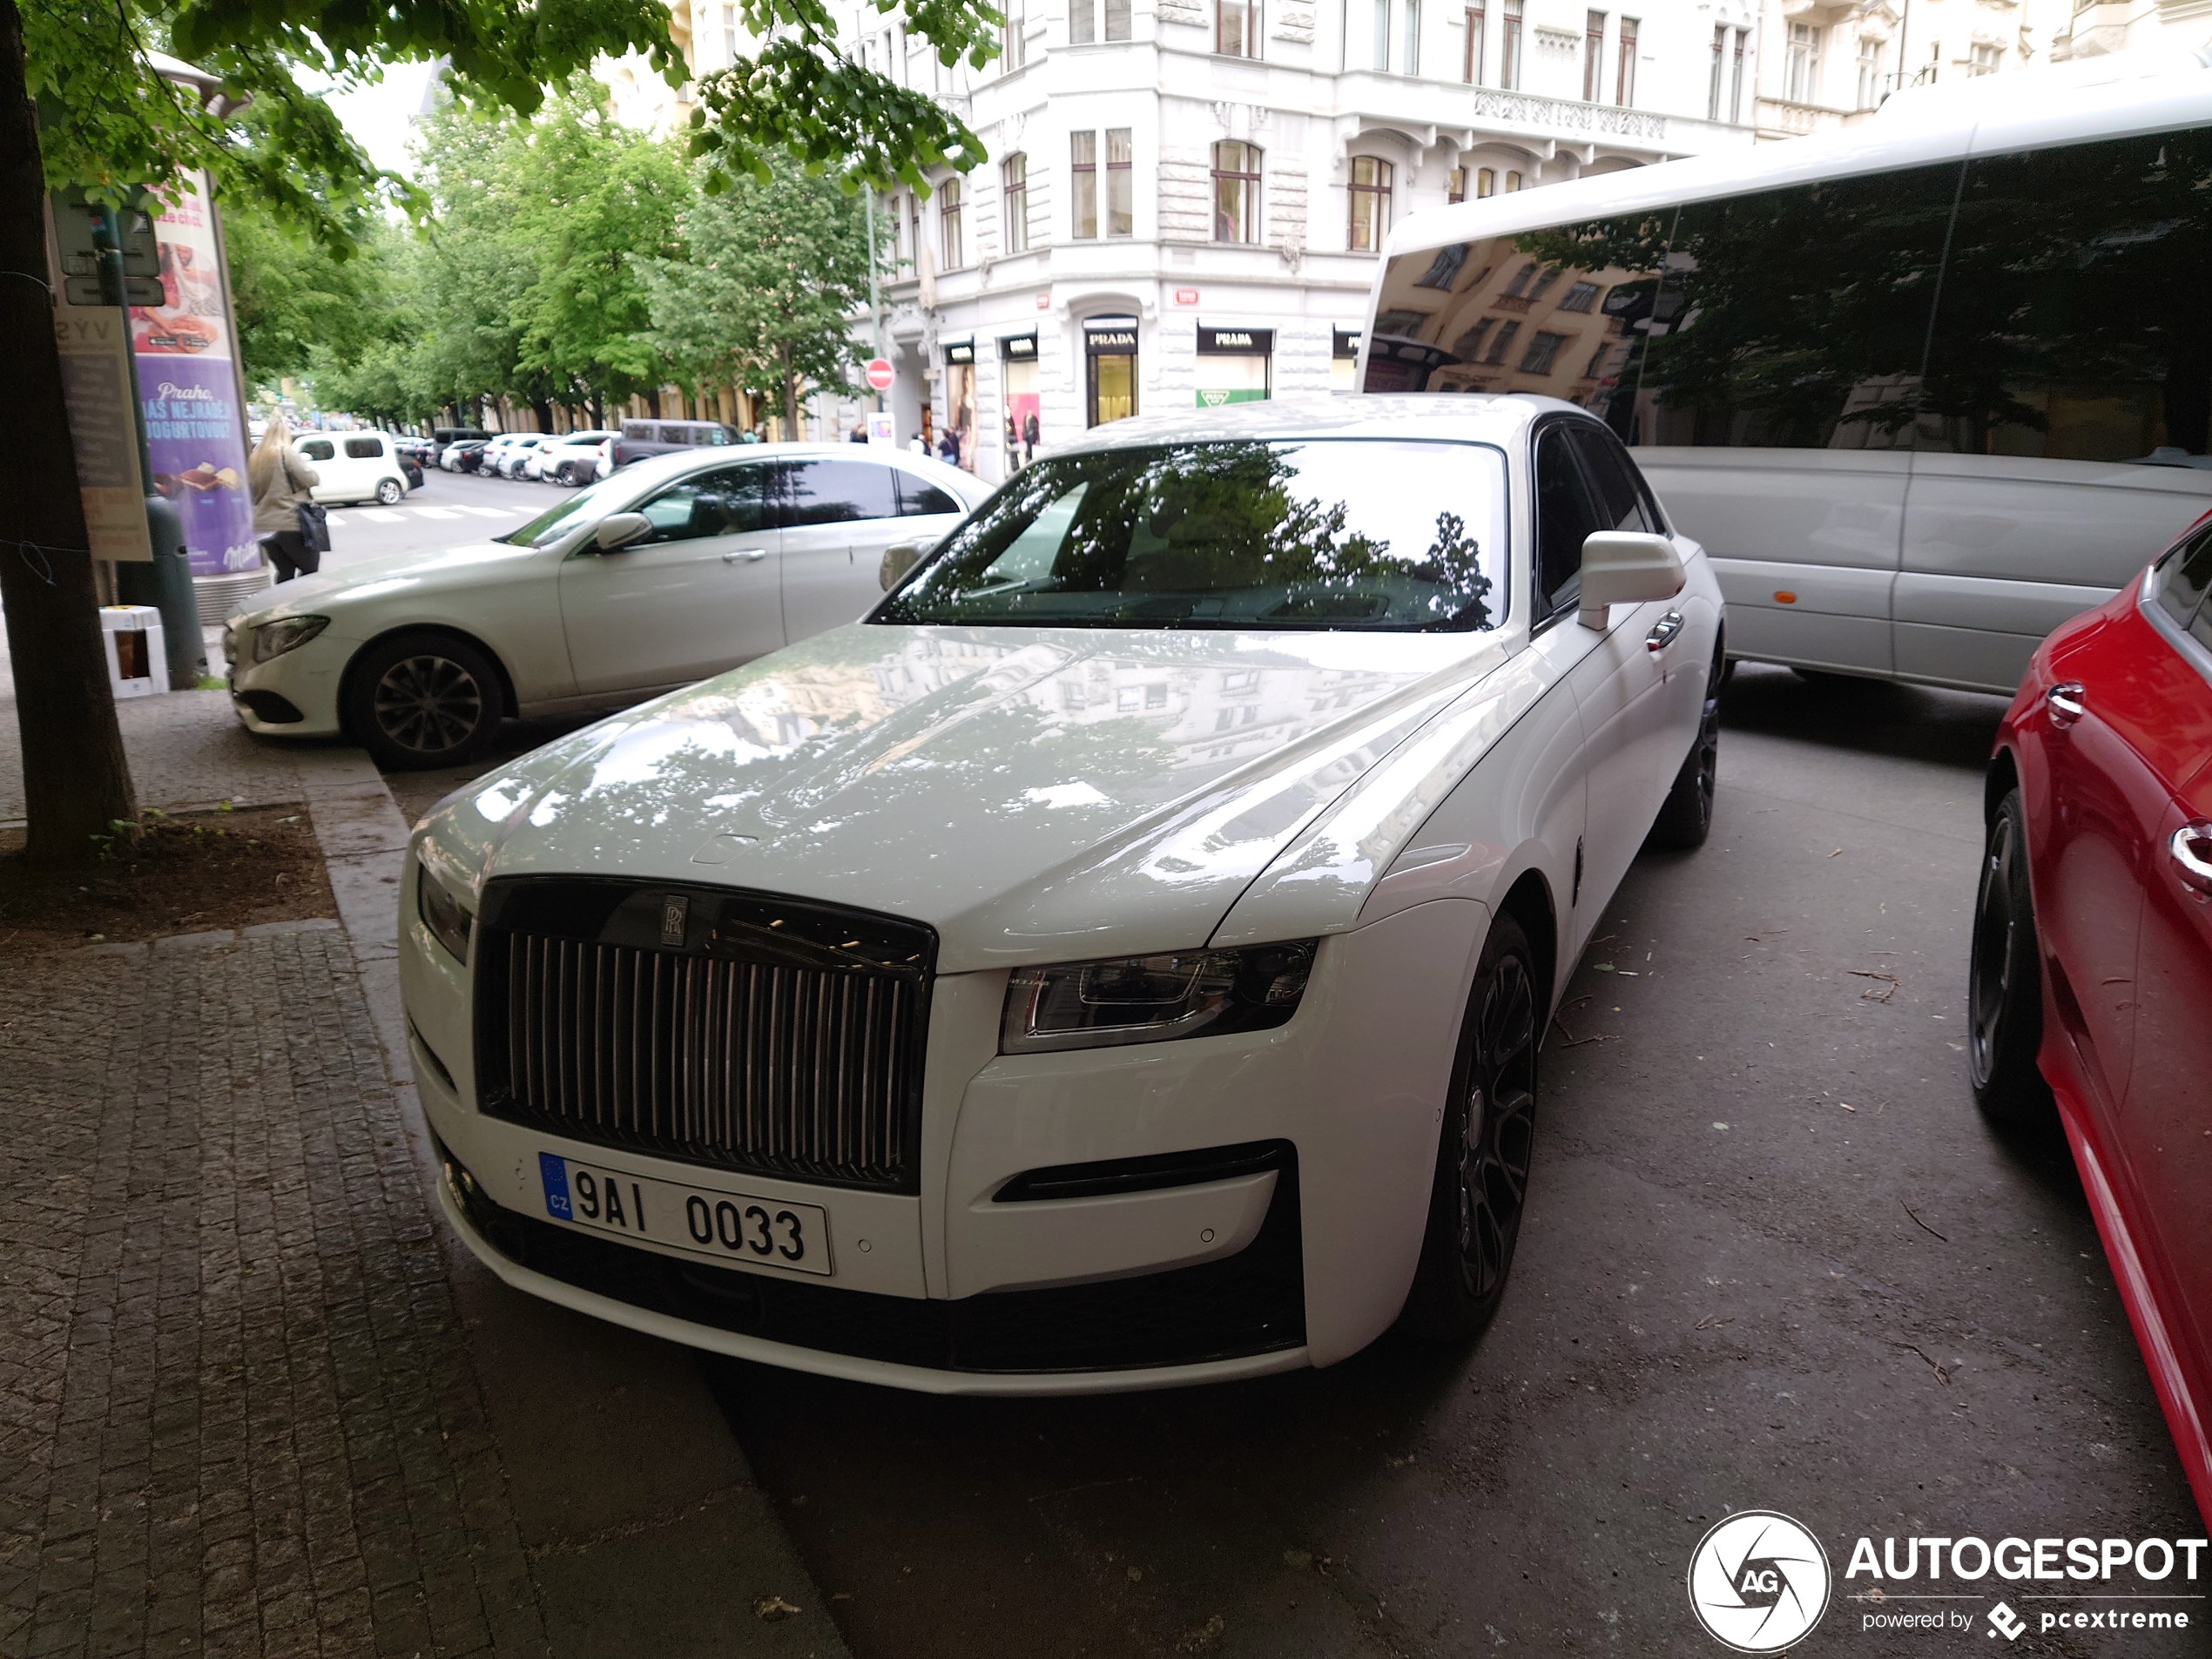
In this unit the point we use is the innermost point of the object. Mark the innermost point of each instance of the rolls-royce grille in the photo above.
(730, 1049)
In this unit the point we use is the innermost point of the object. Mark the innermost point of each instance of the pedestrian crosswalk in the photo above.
(394, 516)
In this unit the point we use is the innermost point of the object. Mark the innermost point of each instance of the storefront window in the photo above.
(1234, 366)
(1109, 354)
(957, 444)
(1018, 375)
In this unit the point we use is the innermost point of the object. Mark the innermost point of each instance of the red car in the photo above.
(2092, 974)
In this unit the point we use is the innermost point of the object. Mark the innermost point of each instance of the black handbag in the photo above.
(314, 526)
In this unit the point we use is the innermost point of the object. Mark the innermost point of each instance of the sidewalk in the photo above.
(253, 1398)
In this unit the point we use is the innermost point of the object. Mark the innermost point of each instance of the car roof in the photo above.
(1464, 417)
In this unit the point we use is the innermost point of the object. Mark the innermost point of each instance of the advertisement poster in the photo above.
(195, 430)
(95, 386)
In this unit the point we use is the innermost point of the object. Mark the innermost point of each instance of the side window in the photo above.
(637, 432)
(2183, 576)
(729, 503)
(835, 492)
(317, 449)
(1620, 503)
(364, 449)
(1566, 517)
(918, 498)
(2070, 327)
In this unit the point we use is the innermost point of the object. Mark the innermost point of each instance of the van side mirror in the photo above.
(618, 531)
(899, 558)
(1626, 568)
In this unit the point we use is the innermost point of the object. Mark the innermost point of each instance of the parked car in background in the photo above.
(1916, 486)
(2091, 982)
(354, 467)
(411, 469)
(443, 437)
(573, 459)
(641, 438)
(495, 455)
(517, 454)
(1120, 960)
(673, 570)
(464, 455)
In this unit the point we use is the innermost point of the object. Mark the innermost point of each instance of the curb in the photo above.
(642, 1523)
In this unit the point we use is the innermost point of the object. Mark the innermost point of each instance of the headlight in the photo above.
(443, 914)
(274, 638)
(1153, 999)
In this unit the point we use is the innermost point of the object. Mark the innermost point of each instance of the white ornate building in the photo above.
(1184, 199)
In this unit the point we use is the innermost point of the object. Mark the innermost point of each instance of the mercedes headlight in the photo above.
(274, 638)
(1153, 999)
(443, 914)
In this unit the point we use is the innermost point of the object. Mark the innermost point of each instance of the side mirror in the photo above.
(899, 558)
(1626, 568)
(618, 531)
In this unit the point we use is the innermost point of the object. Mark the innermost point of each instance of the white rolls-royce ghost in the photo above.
(1120, 960)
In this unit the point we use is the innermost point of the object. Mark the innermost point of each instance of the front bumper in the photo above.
(958, 1291)
(292, 696)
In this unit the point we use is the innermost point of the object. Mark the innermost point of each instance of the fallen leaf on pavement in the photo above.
(769, 1608)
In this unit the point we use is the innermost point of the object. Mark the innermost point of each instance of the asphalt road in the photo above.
(1773, 1259)
(451, 507)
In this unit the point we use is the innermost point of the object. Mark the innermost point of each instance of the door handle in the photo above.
(2191, 853)
(1663, 631)
(750, 554)
(2064, 703)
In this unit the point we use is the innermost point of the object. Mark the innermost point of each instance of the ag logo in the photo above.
(1758, 1582)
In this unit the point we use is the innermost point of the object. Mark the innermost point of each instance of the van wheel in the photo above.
(419, 700)
(389, 491)
(2004, 981)
(1686, 817)
(1482, 1155)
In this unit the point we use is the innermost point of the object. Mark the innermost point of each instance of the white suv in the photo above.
(354, 467)
(570, 460)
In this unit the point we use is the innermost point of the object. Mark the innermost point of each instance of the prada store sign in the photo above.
(1236, 342)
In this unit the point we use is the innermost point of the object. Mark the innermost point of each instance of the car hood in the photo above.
(399, 573)
(1033, 794)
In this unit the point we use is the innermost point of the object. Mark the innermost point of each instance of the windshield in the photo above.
(558, 520)
(1316, 534)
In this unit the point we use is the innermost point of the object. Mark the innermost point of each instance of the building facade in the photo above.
(1184, 199)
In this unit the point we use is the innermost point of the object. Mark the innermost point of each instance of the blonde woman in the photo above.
(281, 482)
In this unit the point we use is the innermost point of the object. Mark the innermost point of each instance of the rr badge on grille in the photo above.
(673, 913)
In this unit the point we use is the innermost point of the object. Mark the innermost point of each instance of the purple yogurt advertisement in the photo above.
(199, 452)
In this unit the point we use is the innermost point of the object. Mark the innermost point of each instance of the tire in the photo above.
(1480, 1183)
(565, 473)
(1686, 816)
(390, 492)
(2004, 981)
(419, 700)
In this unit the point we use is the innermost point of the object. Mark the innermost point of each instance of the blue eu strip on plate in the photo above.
(554, 1171)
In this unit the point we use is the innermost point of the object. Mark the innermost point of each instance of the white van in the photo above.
(354, 467)
(1924, 389)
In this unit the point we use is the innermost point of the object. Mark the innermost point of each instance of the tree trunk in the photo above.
(542, 409)
(791, 392)
(75, 778)
(652, 402)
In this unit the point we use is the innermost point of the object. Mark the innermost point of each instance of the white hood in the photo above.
(449, 567)
(1033, 794)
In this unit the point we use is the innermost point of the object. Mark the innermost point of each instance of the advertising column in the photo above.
(187, 382)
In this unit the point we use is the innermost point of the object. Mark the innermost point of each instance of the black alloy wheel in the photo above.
(1686, 816)
(1484, 1153)
(2004, 980)
(422, 700)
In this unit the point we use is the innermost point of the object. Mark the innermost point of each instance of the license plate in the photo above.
(727, 1226)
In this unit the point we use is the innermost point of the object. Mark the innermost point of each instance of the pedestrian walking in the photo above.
(281, 483)
(948, 447)
(1030, 438)
(859, 435)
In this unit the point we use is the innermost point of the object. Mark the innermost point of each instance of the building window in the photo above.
(1370, 204)
(1011, 45)
(1382, 35)
(1512, 290)
(1593, 55)
(1444, 270)
(1472, 69)
(1118, 19)
(1870, 74)
(1121, 183)
(949, 233)
(1082, 22)
(1713, 80)
(1509, 46)
(1236, 27)
(1624, 85)
(1802, 83)
(1455, 187)
(1736, 80)
(1412, 9)
(1013, 186)
(1581, 296)
(1505, 339)
(1082, 169)
(1512, 183)
(1985, 60)
(1537, 360)
(1469, 346)
(914, 228)
(1236, 192)
(1486, 182)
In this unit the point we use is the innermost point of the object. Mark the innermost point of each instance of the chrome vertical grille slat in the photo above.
(763, 1066)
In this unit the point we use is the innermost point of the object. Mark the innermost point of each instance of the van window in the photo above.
(637, 432)
(365, 449)
(2073, 324)
(317, 449)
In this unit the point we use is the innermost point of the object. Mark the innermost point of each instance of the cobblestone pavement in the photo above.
(237, 1412)
(186, 749)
